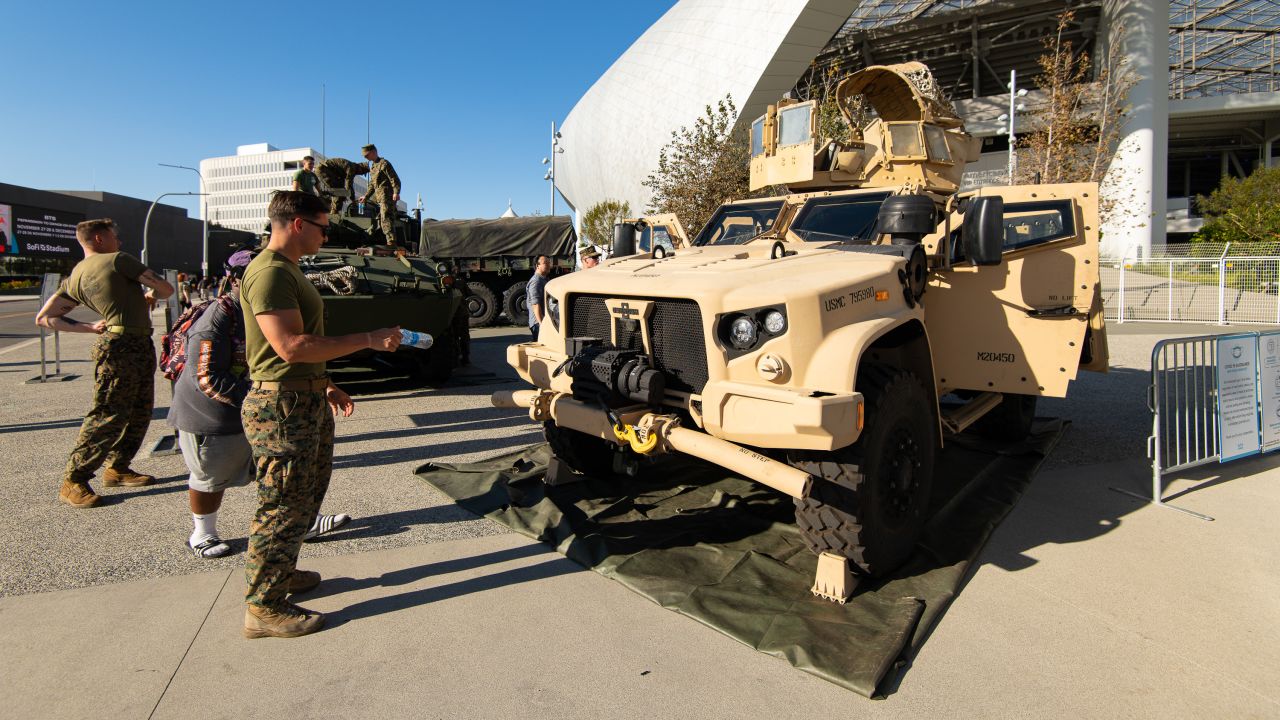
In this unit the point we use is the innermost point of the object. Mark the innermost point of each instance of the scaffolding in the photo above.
(1216, 47)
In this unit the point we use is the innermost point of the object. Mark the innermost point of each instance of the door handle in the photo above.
(1064, 311)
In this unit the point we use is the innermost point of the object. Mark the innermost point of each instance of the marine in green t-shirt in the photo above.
(289, 411)
(306, 180)
(109, 282)
(274, 282)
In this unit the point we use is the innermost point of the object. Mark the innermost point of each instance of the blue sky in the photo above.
(97, 94)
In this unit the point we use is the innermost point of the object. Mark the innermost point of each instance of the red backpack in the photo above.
(173, 345)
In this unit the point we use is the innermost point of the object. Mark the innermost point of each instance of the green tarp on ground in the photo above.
(726, 552)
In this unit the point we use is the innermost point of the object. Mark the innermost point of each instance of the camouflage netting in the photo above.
(520, 237)
(726, 552)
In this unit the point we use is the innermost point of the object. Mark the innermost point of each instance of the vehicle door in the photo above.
(1027, 325)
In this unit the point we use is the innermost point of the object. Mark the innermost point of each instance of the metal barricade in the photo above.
(1172, 286)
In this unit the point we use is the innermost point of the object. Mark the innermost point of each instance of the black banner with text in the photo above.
(36, 232)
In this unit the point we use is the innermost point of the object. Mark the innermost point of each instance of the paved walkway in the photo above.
(1087, 603)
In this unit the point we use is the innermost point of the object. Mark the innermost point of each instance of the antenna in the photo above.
(368, 122)
(322, 119)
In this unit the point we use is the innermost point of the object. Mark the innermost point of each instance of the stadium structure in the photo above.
(1205, 104)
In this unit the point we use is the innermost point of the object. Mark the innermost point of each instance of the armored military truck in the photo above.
(828, 341)
(365, 285)
(495, 259)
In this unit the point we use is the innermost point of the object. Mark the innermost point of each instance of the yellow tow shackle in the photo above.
(627, 433)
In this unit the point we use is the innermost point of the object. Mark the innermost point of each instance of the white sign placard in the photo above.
(1269, 376)
(1237, 396)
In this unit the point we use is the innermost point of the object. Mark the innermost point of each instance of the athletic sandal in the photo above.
(325, 524)
(210, 547)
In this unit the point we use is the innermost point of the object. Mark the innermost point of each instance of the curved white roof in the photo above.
(697, 52)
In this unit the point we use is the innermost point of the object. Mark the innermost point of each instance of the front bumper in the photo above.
(763, 416)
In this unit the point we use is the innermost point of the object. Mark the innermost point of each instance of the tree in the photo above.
(702, 167)
(1243, 210)
(598, 221)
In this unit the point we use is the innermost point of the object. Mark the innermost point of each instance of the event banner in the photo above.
(1238, 396)
(1269, 375)
(36, 232)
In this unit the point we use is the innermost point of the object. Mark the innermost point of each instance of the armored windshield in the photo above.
(736, 224)
(848, 219)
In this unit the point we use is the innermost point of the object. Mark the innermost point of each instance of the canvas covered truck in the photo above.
(828, 341)
(495, 258)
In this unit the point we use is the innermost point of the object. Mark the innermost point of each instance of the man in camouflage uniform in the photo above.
(109, 282)
(384, 189)
(287, 413)
(340, 173)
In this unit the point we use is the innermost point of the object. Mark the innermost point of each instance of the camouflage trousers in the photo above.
(386, 217)
(124, 371)
(291, 434)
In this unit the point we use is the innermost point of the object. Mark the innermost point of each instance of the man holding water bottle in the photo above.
(288, 413)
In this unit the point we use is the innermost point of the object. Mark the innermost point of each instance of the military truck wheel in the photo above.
(588, 455)
(1010, 420)
(868, 501)
(481, 303)
(516, 304)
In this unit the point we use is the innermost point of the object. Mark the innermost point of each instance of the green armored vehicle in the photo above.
(365, 285)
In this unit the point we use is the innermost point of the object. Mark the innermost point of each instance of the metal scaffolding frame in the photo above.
(1216, 47)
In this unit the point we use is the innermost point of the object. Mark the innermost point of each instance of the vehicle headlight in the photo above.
(553, 309)
(743, 333)
(775, 322)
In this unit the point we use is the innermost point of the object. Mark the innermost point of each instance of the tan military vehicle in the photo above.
(827, 342)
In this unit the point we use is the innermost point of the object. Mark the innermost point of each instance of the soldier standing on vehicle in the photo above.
(288, 412)
(340, 174)
(384, 189)
(590, 258)
(305, 180)
(109, 282)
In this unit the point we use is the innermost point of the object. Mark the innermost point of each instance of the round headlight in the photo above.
(743, 333)
(775, 322)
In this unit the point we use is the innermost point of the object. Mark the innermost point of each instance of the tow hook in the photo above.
(641, 440)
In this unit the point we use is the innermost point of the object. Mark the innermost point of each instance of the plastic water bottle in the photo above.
(360, 208)
(422, 341)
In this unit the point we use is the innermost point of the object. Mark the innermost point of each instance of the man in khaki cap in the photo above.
(109, 282)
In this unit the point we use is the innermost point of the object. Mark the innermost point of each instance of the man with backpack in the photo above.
(205, 353)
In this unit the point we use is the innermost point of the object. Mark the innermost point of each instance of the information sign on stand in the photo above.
(52, 281)
(1269, 385)
(1238, 397)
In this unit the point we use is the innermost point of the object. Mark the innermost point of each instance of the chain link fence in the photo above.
(1200, 282)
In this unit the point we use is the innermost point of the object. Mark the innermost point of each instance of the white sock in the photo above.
(205, 526)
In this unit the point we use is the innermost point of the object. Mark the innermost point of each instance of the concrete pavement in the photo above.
(1086, 602)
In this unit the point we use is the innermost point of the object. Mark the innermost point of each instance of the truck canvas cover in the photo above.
(527, 236)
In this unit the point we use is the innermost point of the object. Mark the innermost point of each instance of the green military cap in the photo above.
(370, 146)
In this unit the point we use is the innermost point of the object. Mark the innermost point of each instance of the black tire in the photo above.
(434, 366)
(869, 500)
(516, 304)
(588, 455)
(481, 304)
(1010, 420)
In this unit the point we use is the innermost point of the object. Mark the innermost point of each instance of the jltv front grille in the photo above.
(679, 344)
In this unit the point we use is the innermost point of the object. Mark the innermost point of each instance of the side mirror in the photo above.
(983, 230)
(624, 240)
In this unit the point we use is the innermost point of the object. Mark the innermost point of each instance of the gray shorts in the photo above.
(216, 462)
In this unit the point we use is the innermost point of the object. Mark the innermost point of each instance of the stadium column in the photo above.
(1137, 176)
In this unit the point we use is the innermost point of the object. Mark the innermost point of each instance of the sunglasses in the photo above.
(324, 229)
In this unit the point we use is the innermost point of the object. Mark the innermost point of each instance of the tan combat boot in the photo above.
(126, 477)
(77, 495)
(287, 622)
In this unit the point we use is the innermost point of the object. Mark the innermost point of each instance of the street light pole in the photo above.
(204, 215)
(1014, 107)
(146, 224)
(551, 173)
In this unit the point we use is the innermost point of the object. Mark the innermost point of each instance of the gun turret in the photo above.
(915, 138)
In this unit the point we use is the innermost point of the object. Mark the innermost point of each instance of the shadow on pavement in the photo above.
(405, 576)
(430, 451)
(395, 523)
